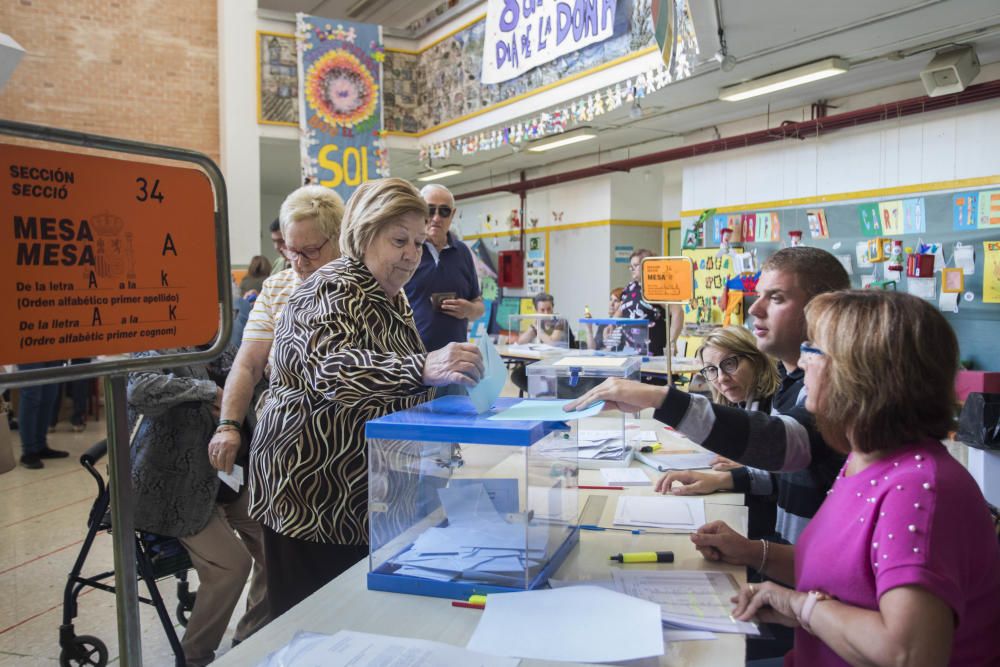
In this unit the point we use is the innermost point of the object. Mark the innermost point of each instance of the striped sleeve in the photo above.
(269, 305)
(777, 443)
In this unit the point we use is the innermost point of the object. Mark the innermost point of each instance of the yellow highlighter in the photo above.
(477, 599)
(645, 557)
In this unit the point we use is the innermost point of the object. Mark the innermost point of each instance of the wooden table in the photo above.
(346, 604)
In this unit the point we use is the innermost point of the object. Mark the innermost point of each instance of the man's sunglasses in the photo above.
(444, 211)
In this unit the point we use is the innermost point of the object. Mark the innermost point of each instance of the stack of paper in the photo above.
(664, 460)
(597, 445)
(625, 477)
(665, 512)
(689, 600)
(477, 544)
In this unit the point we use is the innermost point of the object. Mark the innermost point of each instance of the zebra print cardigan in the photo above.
(344, 354)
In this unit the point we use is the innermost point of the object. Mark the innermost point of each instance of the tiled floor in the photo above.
(43, 520)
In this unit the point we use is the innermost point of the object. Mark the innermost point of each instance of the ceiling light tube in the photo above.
(789, 78)
(444, 172)
(562, 139)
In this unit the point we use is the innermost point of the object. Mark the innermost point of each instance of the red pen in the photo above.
(613, 488)
(467, 605)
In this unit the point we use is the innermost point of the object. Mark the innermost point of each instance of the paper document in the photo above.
(361, 649)
(485, 394)
(625, 477)
(573, 624)
(546, 410)
(664, 460)
(666, 512)
(688, 599)
(234, 480)
(592, 362)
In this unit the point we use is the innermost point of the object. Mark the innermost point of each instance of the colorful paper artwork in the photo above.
(989, 209)
(965, 211)
(775, 228)
(914, 218)
(735, 224)
(748, 224)
(719, 223)
(861, 252)
(891, 215)
(991, 271)
(763, 231)
(952, 280)
(817, 224)
(868, 216)
(710, 275)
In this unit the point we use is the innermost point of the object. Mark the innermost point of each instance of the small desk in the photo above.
(346, 604)
(654, 366)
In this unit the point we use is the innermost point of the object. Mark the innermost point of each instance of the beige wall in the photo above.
(135, 70)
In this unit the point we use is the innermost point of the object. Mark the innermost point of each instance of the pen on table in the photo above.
(467, 605)
(613, 488)
(590, 526)
(645, 557)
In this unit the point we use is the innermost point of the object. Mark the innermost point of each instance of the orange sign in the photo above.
(103, 256)
(667, 279)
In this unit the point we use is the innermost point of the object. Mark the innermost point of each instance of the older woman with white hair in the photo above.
(310, 220)
(346, 351)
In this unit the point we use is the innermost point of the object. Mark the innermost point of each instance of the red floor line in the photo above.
(34, 616)
(44, 479)
(14, 567)
(54, 509)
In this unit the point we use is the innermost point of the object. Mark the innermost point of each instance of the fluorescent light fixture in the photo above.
(443, 172)
(562, 139)
(789, 78)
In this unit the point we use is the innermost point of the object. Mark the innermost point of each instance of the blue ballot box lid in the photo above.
(616, 321)
(453, 419)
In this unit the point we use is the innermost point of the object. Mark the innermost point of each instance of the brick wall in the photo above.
(134, 69)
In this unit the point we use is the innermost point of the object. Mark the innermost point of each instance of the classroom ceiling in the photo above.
(887, 42)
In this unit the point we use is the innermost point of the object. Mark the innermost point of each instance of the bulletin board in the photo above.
(970, 217)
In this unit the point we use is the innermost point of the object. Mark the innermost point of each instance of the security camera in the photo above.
(950, 71)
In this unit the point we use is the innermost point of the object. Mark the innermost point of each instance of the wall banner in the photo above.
(523, 34)
(340, 92)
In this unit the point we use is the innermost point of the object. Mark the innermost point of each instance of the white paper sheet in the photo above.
(925, 288)
(666, 512)
(234, 480)
(361, 649)
(948, 302)
(965, 259)
(625, 477)
(592, 362)
(664, 461)
(688, 599)
(575, 624)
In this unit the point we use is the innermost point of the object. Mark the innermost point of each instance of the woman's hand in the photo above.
(769, 603)
(619, 394)
(223, 448)
(694, 483)
(716, 541)
(455, 363)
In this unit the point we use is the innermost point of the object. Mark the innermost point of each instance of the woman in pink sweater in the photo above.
(901, 565)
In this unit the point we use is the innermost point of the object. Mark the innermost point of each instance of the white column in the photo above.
(240, 146)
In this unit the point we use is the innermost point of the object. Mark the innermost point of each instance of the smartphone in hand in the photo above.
(438, 297)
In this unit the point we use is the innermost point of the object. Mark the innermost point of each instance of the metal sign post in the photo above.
(102, 257)
(668, 280)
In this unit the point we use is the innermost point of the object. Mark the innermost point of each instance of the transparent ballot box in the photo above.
(460, 504)
(540, 332)
(616, 335)
(609, 442)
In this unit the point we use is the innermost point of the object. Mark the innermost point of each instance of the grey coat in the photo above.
(173, 482)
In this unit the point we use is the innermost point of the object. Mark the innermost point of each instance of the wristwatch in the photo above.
(807, 608)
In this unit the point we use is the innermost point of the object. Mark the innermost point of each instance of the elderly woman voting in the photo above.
(346, 351)
(901, 564)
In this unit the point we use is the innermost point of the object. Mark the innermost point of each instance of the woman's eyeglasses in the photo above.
(308, 253)
(729, 365)
(444, 211)
(808, 351)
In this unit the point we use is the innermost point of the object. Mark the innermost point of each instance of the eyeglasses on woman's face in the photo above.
(729, 366)
(809, 352)
(309, 253)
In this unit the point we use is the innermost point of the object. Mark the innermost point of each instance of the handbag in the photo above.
(979, 422)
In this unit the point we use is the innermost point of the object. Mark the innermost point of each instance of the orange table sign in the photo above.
(667, 279)
(103, 256)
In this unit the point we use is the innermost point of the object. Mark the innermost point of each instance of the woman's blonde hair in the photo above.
(372, 206)
(737, 340)
(891, 360)
(313, 202)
